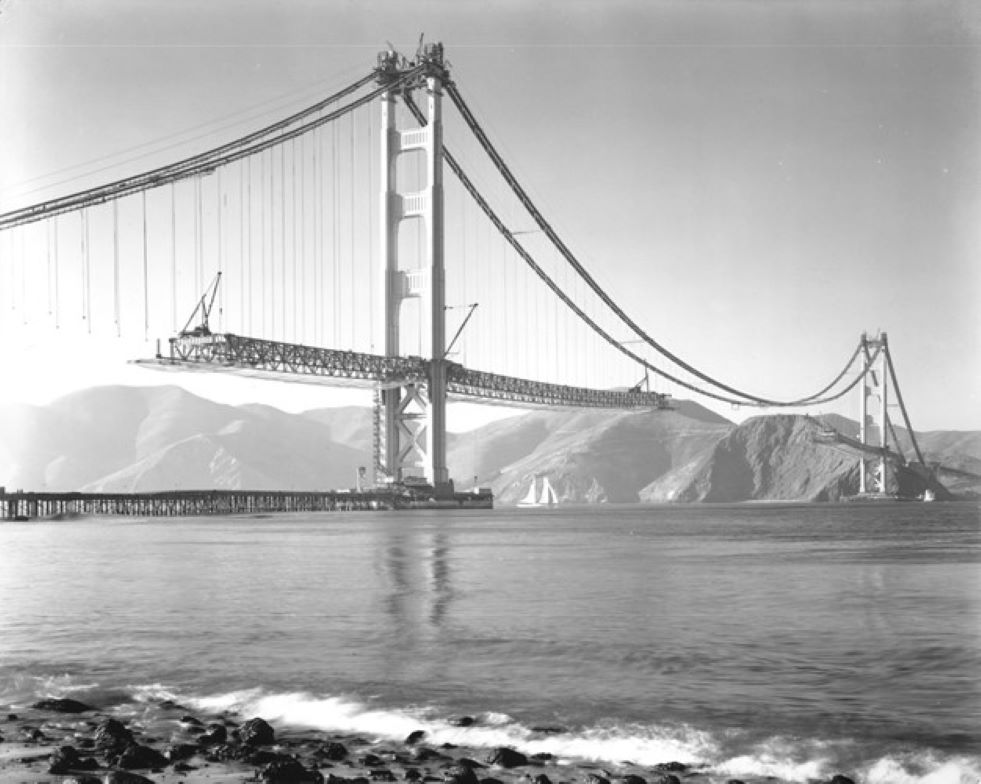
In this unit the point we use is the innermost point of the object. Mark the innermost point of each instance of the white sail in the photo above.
(529, 500)
(547, 498)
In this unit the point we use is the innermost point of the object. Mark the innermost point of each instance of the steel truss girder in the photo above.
(228, 351)
(521, 391)
(254, 354)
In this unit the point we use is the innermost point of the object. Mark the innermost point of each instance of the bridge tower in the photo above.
(410, 413)
(873, 476)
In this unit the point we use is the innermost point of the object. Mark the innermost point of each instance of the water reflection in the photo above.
(416, 579)
(442, 588)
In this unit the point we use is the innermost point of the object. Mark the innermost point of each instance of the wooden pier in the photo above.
(186, 503)
(22, 505)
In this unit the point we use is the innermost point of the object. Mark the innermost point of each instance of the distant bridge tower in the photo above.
(410, 413)
(873, 476)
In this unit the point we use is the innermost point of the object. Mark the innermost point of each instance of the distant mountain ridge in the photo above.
(129, 439)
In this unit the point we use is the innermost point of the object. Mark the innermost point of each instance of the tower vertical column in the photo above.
(436, 419)
(386, 458)
(883, 416)
(863, 415)
(411, 411)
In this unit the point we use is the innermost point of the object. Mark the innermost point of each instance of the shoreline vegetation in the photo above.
(66, 741)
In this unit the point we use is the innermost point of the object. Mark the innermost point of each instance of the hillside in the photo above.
(161, 438)
(131, 439)
(588, 456)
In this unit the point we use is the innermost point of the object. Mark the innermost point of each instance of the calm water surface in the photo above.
(787, 640)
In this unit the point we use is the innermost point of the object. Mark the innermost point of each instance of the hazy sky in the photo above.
(756, 182)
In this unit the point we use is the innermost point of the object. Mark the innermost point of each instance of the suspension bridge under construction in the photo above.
(338, 254)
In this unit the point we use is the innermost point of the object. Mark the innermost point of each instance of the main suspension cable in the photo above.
(570, 303)
(203, 163)
(902, 408)
(547, 229)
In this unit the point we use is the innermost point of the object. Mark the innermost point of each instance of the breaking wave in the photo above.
(787, 759)
(717, 754)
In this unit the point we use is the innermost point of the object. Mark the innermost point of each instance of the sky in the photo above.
(755, 182)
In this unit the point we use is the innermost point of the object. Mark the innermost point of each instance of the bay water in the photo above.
(785, 640)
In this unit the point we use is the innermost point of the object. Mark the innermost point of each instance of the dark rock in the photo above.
(195, 729)
(125, 777)
(671, 767)
(665, 778)
(112, 734)
(82, 779)
(630, 778)
(256, 732)
(448, 746)
(840, 779)
(86, 743)
(215, 734)
(289, 772)
(595, 778)
(190, 720)
(411, 774)
(181, 751)
(137, 757)
(62, 706)
(11, 717)
(223, 752)
(425, 754)
(415, 737)
(542, 756)
(265, 756)
(491, 781)
(541, 778)
(34, 735)
(469, 762)
(460, 774)
(371, 761)
(382, 774)
(549, 730)
(508, 758)
(463, 721)
(333, 751)
(183, 767)
(66, 759)
(735, 781)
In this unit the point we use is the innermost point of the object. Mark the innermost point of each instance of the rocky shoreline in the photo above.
(66, 741)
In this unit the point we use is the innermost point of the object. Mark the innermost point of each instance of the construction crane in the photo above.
(203, 307)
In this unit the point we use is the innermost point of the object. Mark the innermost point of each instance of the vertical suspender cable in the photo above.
(115, 265)
(335, 239)
(173, 251)
(88, 272)
(221, 265)
(262, 241)
(248, 234)
(57, 276)
(241, 243)
(146, 277)
(353, 292)
(371, 230)
(282, 230)
(198, 242)
(303, 238)
(271, 258)
(47, 236)
(296, 337)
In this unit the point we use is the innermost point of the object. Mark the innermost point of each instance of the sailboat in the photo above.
(545, 498)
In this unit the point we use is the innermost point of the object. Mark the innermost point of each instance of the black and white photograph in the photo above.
(503, 392)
